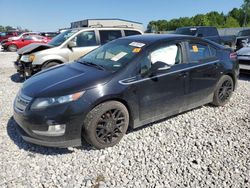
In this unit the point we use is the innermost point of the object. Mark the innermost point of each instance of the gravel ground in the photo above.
(205, 147)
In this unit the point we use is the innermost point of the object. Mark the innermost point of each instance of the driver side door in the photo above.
(162, 93)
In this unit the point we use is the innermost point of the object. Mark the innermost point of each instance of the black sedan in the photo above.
(124, 84)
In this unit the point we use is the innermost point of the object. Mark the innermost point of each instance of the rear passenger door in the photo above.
(109, 35)
(203, 72)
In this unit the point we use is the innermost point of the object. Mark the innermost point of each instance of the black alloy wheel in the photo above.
(106, 124)
(110, 126)
(223, 91)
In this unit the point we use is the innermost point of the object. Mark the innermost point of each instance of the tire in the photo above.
(223, 91)
(50, 64)
(106, 124)
(12, 48)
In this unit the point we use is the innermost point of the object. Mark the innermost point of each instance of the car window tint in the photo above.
(109, 35)
(213, 51)
(131, 32)
(28, 38)
(198, 52)
(86, 38)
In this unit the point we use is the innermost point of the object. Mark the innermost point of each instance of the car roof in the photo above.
(118, 28)
(151, 38)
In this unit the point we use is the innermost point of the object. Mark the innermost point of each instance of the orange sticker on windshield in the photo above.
(195, 48)
(136, 50)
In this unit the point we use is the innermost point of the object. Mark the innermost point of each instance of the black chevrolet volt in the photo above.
(123, 84)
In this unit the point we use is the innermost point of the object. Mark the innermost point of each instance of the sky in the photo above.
(50, 15)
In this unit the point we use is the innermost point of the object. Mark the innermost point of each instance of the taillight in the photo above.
(233, 56)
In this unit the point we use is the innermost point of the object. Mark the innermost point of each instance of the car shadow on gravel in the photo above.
(17, 78)
(12, 130)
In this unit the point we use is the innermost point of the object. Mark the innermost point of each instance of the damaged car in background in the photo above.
(65, 47)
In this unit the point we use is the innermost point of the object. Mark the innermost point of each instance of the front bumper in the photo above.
(24, 68)
(71, 115)
(244, 62)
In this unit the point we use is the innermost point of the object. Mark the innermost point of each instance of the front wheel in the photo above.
(106, 124)
(223, 91)
(12, 48)
(50, 64)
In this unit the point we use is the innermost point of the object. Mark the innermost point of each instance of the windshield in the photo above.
(186, 31)
(244, 33)
(59, 39)
(114, 55)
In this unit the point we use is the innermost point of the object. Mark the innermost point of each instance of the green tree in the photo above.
(201, 20)
(246, 9)
(215, 19)
(231, 22)
(2, 28)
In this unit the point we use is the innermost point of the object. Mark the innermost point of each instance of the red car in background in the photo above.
(6, 35)
(14, 45)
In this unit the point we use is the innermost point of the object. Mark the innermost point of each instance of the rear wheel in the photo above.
(223, 91)
(12, 48)
(50, 64)
(106, 124)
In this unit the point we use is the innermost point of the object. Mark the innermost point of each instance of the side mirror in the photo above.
(159, 65)
(71, 44)
(156, 67)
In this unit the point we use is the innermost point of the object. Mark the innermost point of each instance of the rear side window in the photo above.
(109, 35)
(198, 52)
(131, 32)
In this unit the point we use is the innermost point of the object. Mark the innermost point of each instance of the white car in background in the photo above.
(244, 57)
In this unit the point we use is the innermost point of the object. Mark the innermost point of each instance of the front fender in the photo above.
(41, 60)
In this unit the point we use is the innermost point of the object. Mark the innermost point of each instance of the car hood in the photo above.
(244, 51)
(35, 47)
(64, 80)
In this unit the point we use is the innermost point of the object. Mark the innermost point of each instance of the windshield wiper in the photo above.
(92, 65)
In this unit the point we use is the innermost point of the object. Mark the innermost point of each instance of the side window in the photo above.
(28, 38)
(109, 35)
(198, 52)
(213, 51)
(131, 32)
(170, 55)
(86, 38)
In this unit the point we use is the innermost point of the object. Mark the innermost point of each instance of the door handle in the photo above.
(183, 74)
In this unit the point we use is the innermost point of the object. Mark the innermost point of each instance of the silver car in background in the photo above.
(66, 47)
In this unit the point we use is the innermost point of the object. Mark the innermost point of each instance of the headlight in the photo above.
(27, 58)
(41, 103)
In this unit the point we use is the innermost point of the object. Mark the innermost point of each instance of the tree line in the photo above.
(9, 28)
(237, 17)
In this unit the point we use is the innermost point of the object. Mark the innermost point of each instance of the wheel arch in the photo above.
(52, 60)
(125, 103)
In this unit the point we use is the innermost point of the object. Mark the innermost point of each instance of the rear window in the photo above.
(186, 31)
(131, 32)
(109, 35)
(244, 33)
